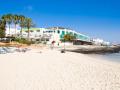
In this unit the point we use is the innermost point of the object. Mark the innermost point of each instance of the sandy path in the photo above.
(52, 70)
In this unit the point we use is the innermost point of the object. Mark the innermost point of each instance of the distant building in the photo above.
(100, 42)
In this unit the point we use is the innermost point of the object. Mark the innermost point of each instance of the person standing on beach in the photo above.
(58, 44)
(52, 44)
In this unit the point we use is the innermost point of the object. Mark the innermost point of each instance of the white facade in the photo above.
(53, 34)
(48, 34)
(11, 31)
(100, 42)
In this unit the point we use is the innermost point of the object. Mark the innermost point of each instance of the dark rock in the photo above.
(97, 50)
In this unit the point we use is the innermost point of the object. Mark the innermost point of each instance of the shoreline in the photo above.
(112, 57)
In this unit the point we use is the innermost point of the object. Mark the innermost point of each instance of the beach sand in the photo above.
(52, 70)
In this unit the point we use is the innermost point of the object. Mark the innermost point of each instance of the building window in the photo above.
(31, 31)
(58, 31)
(38, 30)
(63, 32)
(67, 32)
(75, 35)
(71, 33)
(61, 36)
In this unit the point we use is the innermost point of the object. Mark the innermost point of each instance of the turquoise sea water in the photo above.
(112, 57)
(115, 57)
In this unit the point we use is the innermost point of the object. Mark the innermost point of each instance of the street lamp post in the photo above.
(64, 44)
(63, 51)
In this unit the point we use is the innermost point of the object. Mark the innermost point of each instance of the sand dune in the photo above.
(52, 70)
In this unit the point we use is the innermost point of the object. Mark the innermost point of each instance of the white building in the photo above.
(48, 34)
(53, 34)
(11, 31)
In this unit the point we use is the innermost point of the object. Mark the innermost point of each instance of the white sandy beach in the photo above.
(52, 70)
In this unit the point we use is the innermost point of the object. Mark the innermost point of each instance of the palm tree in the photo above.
(8, 19)
(28, 25)
(22, 22)
(68, 38)
(16, 21)
(2, 28)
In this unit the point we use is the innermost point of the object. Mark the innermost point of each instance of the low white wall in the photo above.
(61, 44)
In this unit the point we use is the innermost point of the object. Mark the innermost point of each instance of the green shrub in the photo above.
(2, 29)
(24, 41)
(44, 42)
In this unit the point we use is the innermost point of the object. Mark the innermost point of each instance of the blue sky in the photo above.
(96, 18)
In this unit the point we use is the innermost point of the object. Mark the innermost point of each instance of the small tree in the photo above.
(2, 28)
(69, 37)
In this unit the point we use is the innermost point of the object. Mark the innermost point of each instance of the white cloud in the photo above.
(28, 8)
